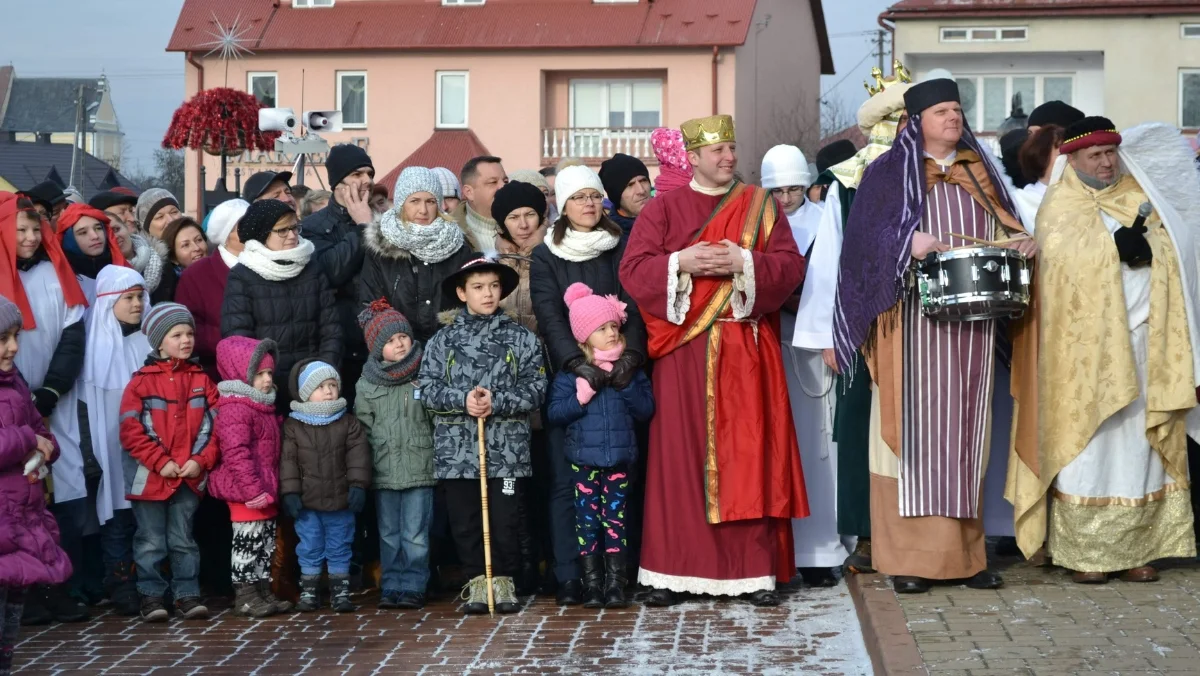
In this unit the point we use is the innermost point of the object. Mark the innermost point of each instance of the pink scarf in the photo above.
(603, 359)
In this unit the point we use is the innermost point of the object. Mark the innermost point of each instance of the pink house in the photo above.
(531, 81)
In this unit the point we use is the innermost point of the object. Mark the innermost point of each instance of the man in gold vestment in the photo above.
(1116, 374)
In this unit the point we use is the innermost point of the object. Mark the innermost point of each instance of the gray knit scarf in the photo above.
(431, 243)
(391, 373)
(318, 412)
(237, 388)
(147, 260)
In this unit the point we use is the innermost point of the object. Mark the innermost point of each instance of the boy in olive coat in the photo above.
(389, 407)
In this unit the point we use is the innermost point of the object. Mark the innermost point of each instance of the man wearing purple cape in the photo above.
(931, 380)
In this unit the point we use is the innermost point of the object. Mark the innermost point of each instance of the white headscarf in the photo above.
(110, 361)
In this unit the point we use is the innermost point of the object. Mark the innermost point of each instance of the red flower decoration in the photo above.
(219, 121)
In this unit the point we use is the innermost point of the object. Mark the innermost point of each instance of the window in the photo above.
(616, 104)
(1189, 30)
(452, 100)
(1189, 98)
(987, 99)
(988, 34)
(463, 2)
(264, 87)
(352, 98)
(312, 3)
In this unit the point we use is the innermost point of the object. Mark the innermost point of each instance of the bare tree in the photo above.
(836, 116)
(793, 126)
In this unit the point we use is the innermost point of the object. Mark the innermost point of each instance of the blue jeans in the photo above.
(562, 507)
(116, 546)
(164, 528)
(325, 538)
(404, 518)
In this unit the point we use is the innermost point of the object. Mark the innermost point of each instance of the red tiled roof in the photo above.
(499, 24)
(450, 148)
(852, 134)
(918, 9)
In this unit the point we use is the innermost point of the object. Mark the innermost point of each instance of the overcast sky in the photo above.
(126, 40)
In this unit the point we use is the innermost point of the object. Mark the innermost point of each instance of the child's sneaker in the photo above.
(152, 609)
(191, 608)
(475, 595)
(506, 596)
(339, 594)
(310, 593)
(281, 606)
(249, 603)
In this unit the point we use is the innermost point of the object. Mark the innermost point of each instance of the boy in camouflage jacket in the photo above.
(483, 364)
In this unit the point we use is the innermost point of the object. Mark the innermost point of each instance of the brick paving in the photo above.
(814, 632)
(1040, 623)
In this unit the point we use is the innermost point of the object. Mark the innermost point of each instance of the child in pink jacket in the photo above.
(247, 476)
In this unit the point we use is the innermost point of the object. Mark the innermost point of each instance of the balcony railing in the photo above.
(596, 143)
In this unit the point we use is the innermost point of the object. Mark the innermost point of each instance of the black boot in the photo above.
(593, 581)
(570, 593)
(660, 598)
(64, 607)
(36, 613)
(339, 594)
(614, 581)
(310, 593)
(910, 584)
(818, 577)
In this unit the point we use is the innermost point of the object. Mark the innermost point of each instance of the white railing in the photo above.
(589, 142)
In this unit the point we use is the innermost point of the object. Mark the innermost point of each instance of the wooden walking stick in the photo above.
(487, 531)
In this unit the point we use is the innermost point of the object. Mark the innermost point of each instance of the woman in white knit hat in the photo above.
(583, 245)
(411, 250)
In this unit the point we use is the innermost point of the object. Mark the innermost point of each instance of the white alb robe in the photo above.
(52, 316)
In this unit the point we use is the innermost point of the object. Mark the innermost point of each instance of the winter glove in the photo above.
(594, 375)
(292, 504)
(1132, 246)
(583, 391)
(357, 499)
(45, 400)
(624, 369)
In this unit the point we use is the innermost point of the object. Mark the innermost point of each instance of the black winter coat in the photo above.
(338, 252)
(298, 314)
(412, 287)
(549, 277)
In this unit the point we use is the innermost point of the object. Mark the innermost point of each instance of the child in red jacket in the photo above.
(166, 433)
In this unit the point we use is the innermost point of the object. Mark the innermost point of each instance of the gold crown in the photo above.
(900, 74)
(707, 131)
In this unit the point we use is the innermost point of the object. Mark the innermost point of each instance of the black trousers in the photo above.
(465, 512)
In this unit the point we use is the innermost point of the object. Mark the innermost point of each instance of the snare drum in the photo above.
(973, 283)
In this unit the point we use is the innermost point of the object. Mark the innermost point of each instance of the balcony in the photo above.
(596, 143)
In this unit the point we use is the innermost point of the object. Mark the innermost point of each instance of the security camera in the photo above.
(277, 119)
(323, 120)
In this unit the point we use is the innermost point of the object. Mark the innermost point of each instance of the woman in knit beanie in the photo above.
(31, 554)
(389, 407)
(411, 250)
(155, 209)
(601, 442)
(518, 208)
(276, 292)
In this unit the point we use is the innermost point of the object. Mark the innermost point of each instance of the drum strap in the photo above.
(987, 203)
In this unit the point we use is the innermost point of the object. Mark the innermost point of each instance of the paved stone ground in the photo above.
(814, 632)
(1041, 623)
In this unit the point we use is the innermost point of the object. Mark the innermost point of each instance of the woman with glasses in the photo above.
(275, 292)
(586, 246)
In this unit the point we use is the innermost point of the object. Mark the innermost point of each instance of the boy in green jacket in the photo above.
(401, 434)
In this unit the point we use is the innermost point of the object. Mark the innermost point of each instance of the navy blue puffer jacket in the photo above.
(601, 434)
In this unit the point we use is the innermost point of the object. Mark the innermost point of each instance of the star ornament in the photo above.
(229, 41)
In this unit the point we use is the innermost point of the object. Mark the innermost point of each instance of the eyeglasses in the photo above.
(284, 232)
(790, 191)
(584, 198)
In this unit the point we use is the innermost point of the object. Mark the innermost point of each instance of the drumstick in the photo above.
(986, 242)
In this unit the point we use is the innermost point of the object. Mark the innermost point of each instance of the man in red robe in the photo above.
(710, 266)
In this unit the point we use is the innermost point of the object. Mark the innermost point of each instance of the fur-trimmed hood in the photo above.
(377, 244)
(447, 317)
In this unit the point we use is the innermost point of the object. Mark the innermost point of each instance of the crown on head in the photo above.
(707, 131)
(899, 74)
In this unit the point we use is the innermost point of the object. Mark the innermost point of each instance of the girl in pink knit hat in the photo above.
(601, 443)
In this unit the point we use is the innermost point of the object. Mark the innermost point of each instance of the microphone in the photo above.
(1143, 213)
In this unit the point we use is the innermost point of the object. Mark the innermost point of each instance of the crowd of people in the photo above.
(694, 383)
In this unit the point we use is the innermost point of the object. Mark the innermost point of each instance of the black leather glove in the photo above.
(292, 504)
(624, 369)
(356, 499)
(594, 375)
(1132, 246)
(45, 400)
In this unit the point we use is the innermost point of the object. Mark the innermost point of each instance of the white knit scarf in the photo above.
(482, 228)
(431, 243)
(276, 266)
(147, 260)
(579, 246)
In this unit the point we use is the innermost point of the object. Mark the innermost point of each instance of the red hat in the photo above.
(71, 215)
(10, 278)
(1089, 133)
